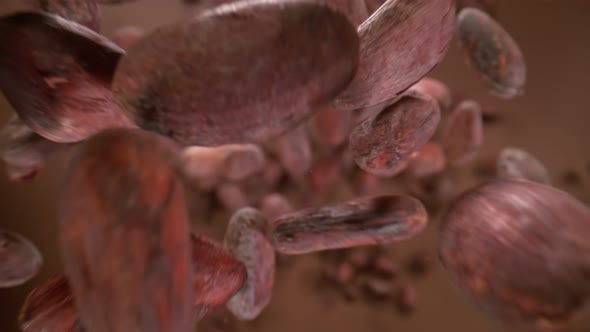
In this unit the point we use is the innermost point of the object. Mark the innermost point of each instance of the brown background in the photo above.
(551, 120)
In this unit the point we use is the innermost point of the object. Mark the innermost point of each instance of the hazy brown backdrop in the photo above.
(552, 121)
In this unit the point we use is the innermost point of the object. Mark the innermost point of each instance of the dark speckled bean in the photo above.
(362, 221)
(492, 52)
(382, 144)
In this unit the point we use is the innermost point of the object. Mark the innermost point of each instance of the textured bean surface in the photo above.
(399, 44)
(491, 51)
(20, 260)
(25, 152)
(180, 80)
(382, 144)
(515, 163)
(362, 221)
(124, 234)
(49, 307)
(56, 74)
(245, 239)
(84, 12)
(519, 250)
(218, 275)
(462, 136)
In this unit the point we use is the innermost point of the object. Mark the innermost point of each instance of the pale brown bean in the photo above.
(20, 260)
(515, 163)
(207, 167)
(246, 240)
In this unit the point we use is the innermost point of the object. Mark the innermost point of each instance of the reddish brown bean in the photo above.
(366, 183)
(56, 75)
(273, 205)
(382, 144)
(218, 275)
(462, 136)
(492, 52)
(325, 174)
(427, 161)
(124, 234)
(294, 152)
(419, 264)
(20, 260)
(231, 197)
(514, 163)
(185, 88)
(127, 36)
(384, 265)
(206, 167)
(358, 222)
(49, 307)
(245, 239)
(519, 251)
(406, 298)
(435, 89)
(331, 127)
(355, 10)
(84, 12)
(399, 44)
(25, 152)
